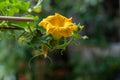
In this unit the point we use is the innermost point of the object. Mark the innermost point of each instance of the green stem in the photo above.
(70, 41)
(2, 12)
(65, 44)
(38, 3)
(30, 29)
(2, 23)
(29, 63)
(10, 28)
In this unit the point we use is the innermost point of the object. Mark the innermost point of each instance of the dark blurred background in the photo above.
(96, 58)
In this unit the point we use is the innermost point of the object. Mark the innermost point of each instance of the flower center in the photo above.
(59, 22)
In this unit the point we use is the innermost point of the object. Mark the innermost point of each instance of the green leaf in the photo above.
(19, 24)
(31, 16)
(23, 6)
(80, 27)
(75, 35)
(84, 37)
(4, 4)
(12, 1)
(12, 11)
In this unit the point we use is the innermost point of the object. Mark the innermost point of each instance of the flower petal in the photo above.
(58, 26)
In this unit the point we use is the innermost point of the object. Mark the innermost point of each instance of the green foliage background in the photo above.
(99, 23)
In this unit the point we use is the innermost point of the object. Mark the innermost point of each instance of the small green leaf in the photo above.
(80, 27)
(84, 37)
(31, 16)
(76, 35)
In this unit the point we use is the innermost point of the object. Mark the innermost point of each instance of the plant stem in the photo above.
(11, 28)
(16, 18)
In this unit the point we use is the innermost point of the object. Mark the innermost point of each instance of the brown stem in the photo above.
(11, 28)
(16, 18)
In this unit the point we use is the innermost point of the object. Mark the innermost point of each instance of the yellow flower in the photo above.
(58, 26)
